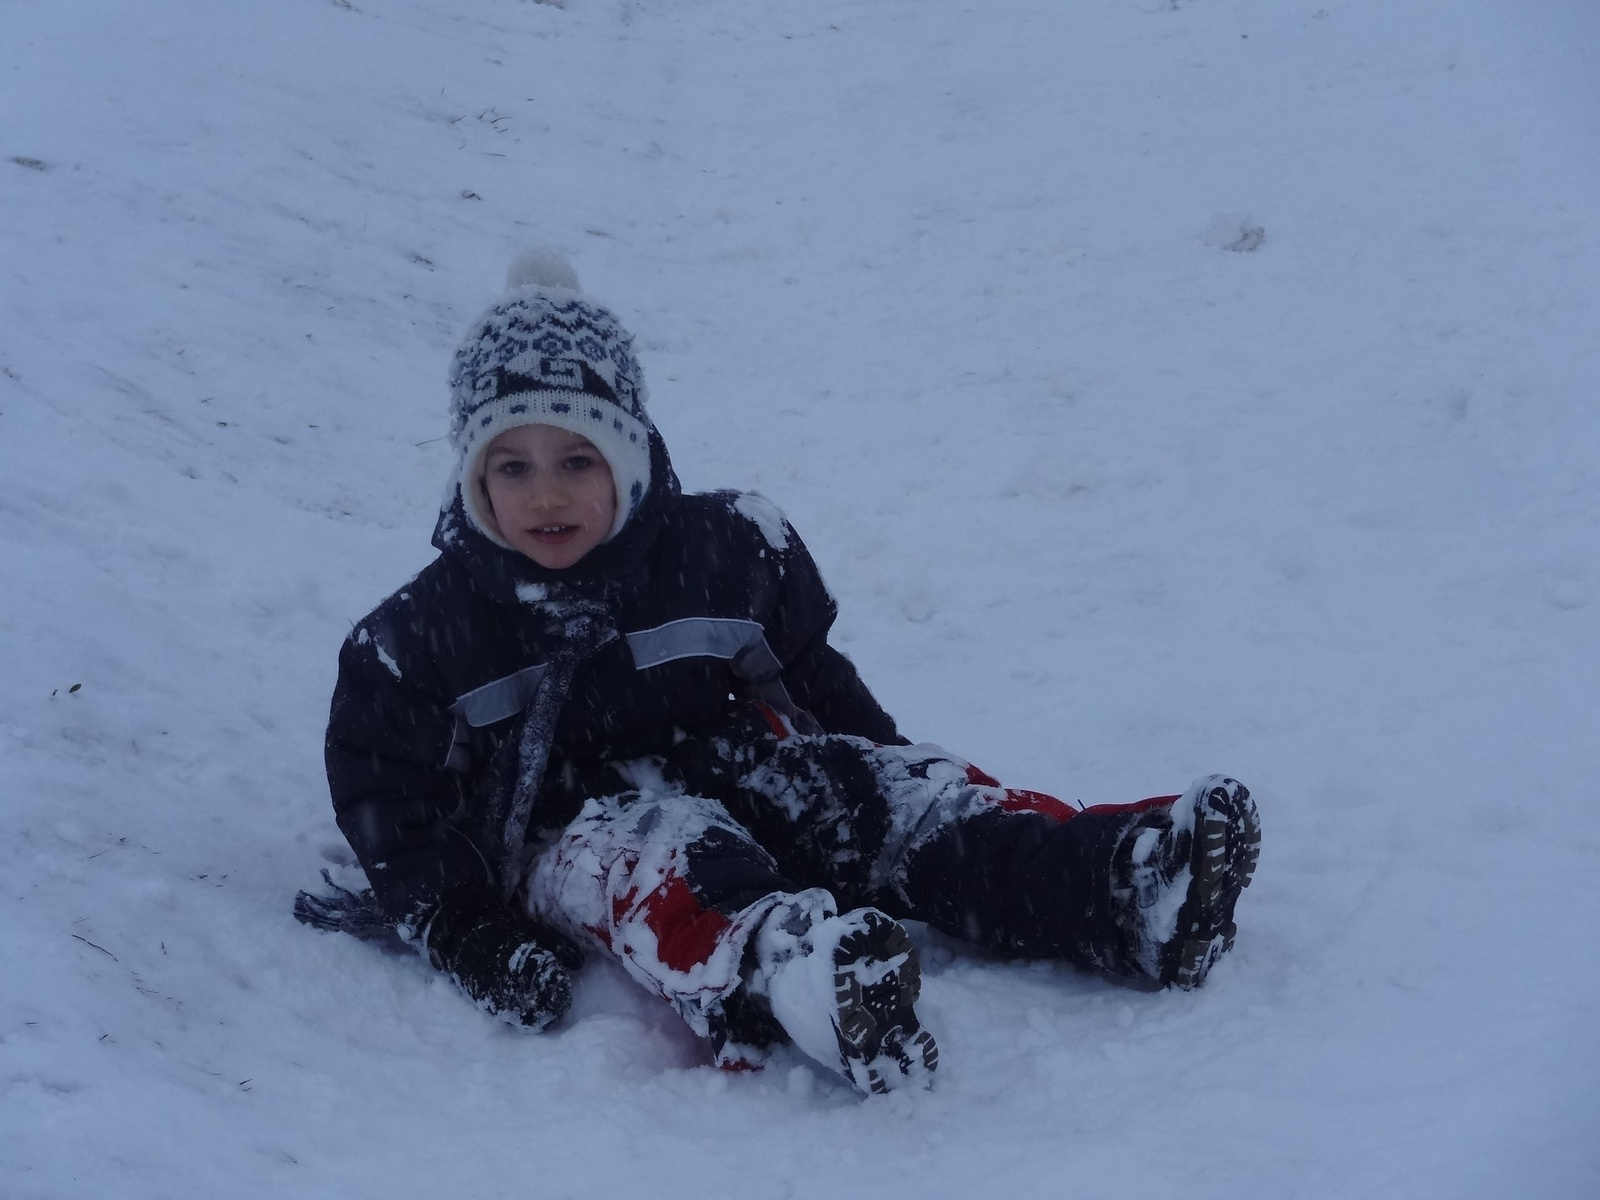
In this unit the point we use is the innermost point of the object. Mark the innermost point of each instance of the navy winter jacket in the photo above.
(715, 599)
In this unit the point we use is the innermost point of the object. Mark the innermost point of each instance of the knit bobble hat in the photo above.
(545, 354)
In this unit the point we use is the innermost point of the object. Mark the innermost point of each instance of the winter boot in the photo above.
(1177, 875)
(843, 988)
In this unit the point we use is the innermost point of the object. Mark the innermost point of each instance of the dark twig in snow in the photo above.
(102, 949)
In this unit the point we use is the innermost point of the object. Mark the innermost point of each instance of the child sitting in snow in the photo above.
(607, 715)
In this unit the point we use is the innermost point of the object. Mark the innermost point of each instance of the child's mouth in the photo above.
(551, 535)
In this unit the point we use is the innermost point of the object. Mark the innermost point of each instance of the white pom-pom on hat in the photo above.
(542, 269)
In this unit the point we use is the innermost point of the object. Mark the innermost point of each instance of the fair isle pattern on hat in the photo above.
(547, 355)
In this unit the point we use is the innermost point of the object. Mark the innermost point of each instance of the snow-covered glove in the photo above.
(514, 968)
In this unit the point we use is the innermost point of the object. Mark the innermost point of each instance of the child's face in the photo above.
(551, 493)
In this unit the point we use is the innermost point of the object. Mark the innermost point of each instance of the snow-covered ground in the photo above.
(1164, 386)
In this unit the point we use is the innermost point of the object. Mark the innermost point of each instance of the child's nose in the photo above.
(547, 492)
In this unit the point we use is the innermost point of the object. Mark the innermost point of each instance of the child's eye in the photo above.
(579, 462)
(512, 466)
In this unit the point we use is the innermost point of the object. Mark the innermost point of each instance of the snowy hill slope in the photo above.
(1162, 387)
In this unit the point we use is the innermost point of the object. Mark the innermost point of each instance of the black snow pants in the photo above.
(676, 864)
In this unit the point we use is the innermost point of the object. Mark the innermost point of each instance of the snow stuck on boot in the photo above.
(1184, 877)
(844, 988)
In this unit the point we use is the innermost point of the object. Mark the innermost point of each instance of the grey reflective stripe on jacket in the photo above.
(728, 638)
(741, 643)
(494, 701)
(500, 698)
